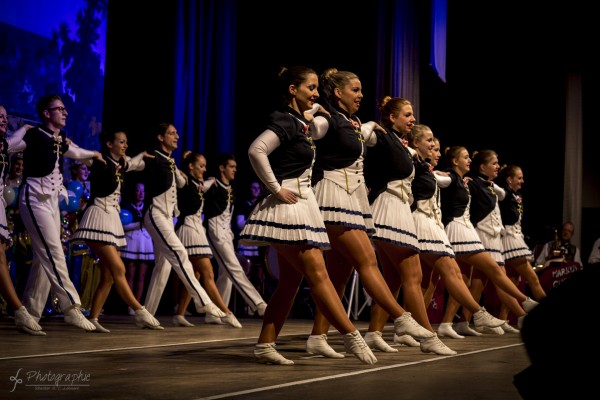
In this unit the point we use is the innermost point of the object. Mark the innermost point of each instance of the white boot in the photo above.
(355, 344)
(462, 328)
(25, 322)
(265, 353)
(230, 319)
(507, 328)
(406, 325)
(75, 317)
(445, 329)
(212, 309)
(144, 319)
(317, 345)
(375, 341)
(179, 320)
(435, 345)
(99, 328)
(406, 340)
(482, 318)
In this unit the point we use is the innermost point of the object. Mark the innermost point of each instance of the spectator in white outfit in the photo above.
(594, 257)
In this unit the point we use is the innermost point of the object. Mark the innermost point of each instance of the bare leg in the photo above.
(307, 262)
(7, 288)
(102, 291)
(478, 283)
(513, 275)
(523, 268)
(204, 271)
(111, 260)
(408, 267)
(484, 262)
(339, 271)
(456, 282)
(392, 276)
(356, 247)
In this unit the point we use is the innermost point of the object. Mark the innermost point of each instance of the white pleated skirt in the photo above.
(338, 207)
(492, 244)
(393, 221)
(464, 239)
(432, 237)
(273, 221)
(514, 244)
(139, 245)
(100, 225)
(193, 236)
(4, 233)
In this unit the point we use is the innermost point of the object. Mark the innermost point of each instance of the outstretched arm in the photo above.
(501, 193)
(78, 153)
(15, 141)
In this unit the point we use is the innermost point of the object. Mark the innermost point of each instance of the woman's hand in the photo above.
(378, 127)
(98, 156)
(286, 196)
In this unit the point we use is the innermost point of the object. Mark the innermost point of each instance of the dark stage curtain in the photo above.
(205, 59)
(398, 51)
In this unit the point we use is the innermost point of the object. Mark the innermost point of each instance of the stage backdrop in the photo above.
(54, 47)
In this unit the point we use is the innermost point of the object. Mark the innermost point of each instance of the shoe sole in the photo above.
(31, 332)
(439, 354)
(153, 327)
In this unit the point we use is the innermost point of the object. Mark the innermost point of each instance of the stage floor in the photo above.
(216, 362)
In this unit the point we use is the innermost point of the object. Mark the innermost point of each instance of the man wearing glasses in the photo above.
(44, 148)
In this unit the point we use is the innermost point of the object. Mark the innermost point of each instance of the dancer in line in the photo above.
(190, 200)
(341, 193)
(102, 230)
(44, 149)
(289, 220)
(23, 319)
(390, 170)
(467, 245)
(161, 178)
(218, 212)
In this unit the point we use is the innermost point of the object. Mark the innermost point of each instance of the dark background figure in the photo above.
(557, 370)
(254, 256)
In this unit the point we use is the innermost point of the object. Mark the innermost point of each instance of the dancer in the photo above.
(436, 251)
(288, 219)
(516, 253)
(23, 320)
(190, 200)
(161, 179)
(389, 171)
(467, 245)
(429, 284)
(218, 212)
(102, 231)
(44, 149)
(342, 197)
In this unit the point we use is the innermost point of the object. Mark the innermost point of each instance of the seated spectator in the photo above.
(594, 257)
(569, 252)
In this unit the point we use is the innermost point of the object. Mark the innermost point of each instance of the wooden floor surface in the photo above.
(216, 362)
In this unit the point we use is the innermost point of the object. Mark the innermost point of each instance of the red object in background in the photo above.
(556, 273)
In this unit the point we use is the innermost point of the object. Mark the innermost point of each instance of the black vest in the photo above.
(40, 155)
(158, 174)
(217, 199)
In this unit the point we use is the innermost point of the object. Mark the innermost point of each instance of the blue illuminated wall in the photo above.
(54, 47)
